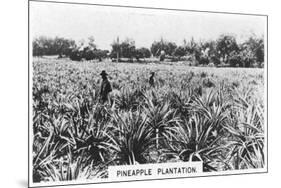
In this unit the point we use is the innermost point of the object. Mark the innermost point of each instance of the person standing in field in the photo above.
(105, 88)
(151, 79)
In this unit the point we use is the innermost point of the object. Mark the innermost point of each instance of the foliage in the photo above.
(52, 46)
(195, 115)
(162, 45)
(222, 52)
(142, 53)
(126, 49)
(180, 52)
(226, 44)
(89, 54)
(253, 50)
(133, 137)
(76, 55)
(191, 47)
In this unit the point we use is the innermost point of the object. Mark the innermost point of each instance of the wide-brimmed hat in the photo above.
(103, 73)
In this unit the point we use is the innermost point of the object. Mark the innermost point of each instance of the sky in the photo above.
(144, 26)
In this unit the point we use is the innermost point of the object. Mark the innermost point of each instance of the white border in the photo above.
(205, 174)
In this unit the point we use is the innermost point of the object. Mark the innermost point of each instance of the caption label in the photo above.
(154, 171)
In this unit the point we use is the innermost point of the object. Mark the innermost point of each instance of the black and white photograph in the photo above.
(124, 93)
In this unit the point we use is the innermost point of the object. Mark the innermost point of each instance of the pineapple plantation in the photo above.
(213, 115)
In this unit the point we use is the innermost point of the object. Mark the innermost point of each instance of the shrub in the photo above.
(142, 53)
(235, 61)
(76, 55)
(162, 45)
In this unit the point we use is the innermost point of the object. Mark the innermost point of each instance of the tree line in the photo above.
(224, 51)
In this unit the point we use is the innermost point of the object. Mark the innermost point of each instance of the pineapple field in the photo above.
(208, 114)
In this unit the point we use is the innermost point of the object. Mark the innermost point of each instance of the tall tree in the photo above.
(158, 47)
(142, 53)
(126, 49)
(52, 46)
(255, 48)
(226, 44)
(180, 52)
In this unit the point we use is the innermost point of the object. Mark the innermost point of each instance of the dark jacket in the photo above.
(151, 80)
(105, 89)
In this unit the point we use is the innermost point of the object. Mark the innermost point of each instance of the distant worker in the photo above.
(151, 79)
(162, 55)
(105, 88)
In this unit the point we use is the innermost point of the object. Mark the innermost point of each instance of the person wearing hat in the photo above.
(105, 87)
(151, 79)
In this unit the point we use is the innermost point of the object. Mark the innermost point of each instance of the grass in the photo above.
(213, 115)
